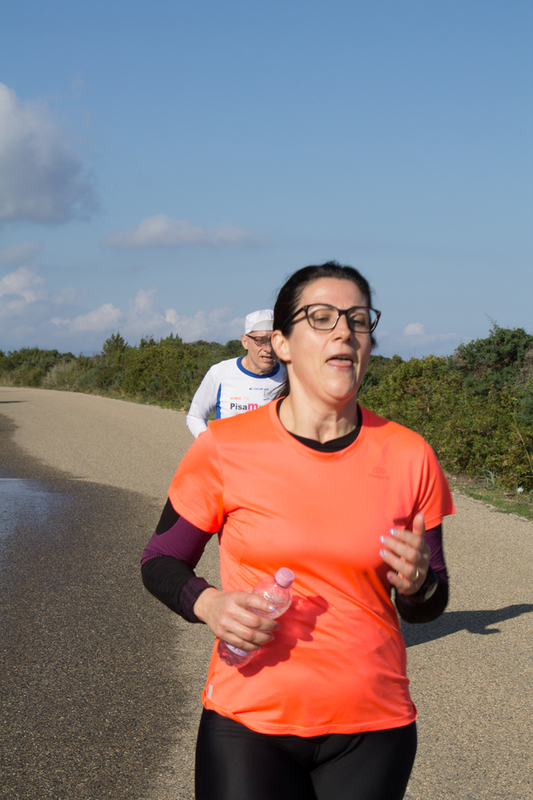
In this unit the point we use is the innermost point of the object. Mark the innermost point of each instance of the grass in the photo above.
(488, 492)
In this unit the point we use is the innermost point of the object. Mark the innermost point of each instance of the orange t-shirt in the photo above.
(338, 662)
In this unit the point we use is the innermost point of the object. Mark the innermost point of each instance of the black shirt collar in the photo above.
(334, 445)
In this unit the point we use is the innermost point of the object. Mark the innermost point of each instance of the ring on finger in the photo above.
(416, 576)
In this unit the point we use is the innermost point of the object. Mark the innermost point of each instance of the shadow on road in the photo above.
(455, 621)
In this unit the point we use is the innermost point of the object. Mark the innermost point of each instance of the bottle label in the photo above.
(237, 650)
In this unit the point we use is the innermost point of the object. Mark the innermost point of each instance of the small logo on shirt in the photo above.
(379, 472)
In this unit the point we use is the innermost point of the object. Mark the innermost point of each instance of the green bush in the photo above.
(62, 375)
(108, 377)
(114, 348)
(28, 376)
(29, 365)
(170, 370)
(494, 362)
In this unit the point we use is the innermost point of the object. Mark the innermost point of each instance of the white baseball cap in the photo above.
(259, 321)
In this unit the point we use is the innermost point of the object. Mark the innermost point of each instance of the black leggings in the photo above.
(236, 763)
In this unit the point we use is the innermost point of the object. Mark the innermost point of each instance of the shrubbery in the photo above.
(475, 408)
(28, 366)
(168, 371)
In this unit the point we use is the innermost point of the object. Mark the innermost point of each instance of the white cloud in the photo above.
(30, 316)
(18, 253)
(163, 231)
(22, 287)
(414, 329)
(138, 318)
(41, 176)
(107, 317)
(417, 329)
(213, 325)
(144, 299)
(413, 341)
(142, 317)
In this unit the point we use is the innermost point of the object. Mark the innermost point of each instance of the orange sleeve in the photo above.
(196, 491)
(434, 498)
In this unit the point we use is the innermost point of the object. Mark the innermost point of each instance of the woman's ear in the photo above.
(280, 345)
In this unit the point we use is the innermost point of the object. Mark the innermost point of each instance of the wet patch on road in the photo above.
(91, 692)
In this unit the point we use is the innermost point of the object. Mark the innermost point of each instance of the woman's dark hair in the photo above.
(290, 294)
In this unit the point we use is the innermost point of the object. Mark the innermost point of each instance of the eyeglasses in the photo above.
(260, 341)
(325, 317)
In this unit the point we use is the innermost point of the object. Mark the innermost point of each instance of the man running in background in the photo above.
(240, 384)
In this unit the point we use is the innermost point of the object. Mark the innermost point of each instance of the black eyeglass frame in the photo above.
(257, 339)
(340, 313)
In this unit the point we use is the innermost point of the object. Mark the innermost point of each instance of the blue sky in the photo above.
(164, 166)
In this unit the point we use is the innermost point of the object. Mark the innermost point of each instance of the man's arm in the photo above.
(202, 404)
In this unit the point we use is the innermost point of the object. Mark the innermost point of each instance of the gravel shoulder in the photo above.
(118, 678)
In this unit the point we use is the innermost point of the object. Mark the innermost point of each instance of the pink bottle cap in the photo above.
(284, 577)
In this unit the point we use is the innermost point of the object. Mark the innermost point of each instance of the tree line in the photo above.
(474, 407)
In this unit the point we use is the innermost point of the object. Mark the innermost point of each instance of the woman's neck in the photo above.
(314, 421)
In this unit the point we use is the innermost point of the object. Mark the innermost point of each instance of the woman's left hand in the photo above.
(408, 555)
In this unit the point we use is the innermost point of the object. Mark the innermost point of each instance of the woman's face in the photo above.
(328, 364)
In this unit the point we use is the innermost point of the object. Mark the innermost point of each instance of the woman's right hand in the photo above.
(228, 616)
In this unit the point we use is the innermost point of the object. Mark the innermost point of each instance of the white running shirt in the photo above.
(231, 389)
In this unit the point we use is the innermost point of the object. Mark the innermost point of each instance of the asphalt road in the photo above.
(101, 685)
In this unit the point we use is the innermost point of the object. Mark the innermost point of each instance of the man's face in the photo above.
(260, 357)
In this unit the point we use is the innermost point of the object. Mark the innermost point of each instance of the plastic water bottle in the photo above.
(278, 593)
